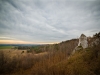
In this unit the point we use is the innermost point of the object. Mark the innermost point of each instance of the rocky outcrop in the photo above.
(95, 42)
(83, 41)
(87, 42)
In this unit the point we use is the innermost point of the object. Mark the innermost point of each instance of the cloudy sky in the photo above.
(47, 21)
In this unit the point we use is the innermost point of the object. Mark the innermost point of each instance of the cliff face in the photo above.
(83, 41)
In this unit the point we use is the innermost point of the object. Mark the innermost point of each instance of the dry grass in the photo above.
(52, 61)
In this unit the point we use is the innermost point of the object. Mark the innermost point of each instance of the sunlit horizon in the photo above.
(23, 42)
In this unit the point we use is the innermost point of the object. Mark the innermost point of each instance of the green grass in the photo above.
(6, 47)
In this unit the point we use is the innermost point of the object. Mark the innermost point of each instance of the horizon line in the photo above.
(23, 42)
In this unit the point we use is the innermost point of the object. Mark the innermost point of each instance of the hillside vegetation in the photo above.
(56, 59)
(83, 62)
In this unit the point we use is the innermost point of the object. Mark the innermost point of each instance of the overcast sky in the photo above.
(47, 21)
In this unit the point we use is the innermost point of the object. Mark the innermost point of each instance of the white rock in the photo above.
(83, 41)
(95, 42)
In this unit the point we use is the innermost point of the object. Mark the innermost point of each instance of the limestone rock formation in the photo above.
(83, 41)
(95, 42)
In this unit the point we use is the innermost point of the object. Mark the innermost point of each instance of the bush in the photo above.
(22, 52)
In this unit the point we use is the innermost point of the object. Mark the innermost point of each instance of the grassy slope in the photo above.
(83, 62)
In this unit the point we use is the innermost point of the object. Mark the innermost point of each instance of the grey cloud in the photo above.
(48, 21)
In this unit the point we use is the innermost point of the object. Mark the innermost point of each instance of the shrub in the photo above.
(22, 52)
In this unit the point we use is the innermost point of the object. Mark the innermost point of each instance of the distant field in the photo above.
(6, 47)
